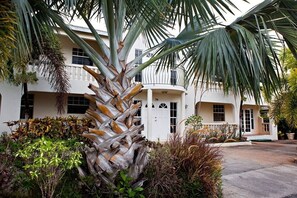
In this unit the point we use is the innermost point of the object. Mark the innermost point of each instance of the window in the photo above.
(138, 52)
(30, 102)
(173, 77)
(163, 106)
(173, 117)
(218, 113)
(264, 115)
(138, 114)
(80, 57)
(138, 76)
(77, 104)
(252, 118)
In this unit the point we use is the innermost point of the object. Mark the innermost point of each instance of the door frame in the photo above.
(245, 122)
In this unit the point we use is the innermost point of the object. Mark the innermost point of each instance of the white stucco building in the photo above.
(166, 101)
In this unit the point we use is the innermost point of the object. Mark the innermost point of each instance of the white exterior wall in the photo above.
(190, 102)
(45, 105)
(10, 104)
(206, 112)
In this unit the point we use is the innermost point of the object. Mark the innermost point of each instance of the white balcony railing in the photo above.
(148, 76)
(76, 72)
(265, 127)
(210, 87)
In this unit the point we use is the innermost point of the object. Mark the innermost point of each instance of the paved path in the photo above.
(261, 170)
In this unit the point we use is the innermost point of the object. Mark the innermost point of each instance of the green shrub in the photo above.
(13, 181)
(125, 188)
(195, 121)
(7, 168)
(56, 128)
(46, 162)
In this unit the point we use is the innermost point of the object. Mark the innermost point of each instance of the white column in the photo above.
(183, 114)
(149, 114)
(273, 130)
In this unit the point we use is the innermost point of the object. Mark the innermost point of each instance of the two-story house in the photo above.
(166, 101)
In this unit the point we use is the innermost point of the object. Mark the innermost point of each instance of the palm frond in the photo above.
(243, 54)
(51, 61)
(184, 11)
(7, 35)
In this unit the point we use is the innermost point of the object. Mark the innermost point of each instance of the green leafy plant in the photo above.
(195, 121)
(13, 181)
(126, 189)
(46, 162)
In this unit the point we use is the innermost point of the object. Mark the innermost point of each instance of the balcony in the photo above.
(75, 72)
(150, 76)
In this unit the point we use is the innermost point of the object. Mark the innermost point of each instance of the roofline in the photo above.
(85, 30)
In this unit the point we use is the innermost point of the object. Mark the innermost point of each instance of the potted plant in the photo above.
(290, 135)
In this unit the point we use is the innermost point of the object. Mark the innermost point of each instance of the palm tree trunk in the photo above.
(117, 141)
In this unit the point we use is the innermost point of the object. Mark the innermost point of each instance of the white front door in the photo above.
(247, 120)
(160, 120)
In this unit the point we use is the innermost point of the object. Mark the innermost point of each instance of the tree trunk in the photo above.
(26, 99)
(117, 141)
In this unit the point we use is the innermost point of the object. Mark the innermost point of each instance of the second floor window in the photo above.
(138, 52)
(218, 113)
(173, 77)
(138, 77)
(80, 57)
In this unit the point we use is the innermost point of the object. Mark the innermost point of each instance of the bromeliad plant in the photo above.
(46, 162)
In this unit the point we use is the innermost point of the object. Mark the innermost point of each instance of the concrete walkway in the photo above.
(260, 170)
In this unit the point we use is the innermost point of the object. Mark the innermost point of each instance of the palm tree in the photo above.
(24, 38)
(283, 105)
(242, 54)
(7, 35)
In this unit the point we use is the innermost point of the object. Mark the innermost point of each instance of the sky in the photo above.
(241, 5)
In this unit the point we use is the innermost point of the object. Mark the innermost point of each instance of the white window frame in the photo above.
(219, 110)
(79, 102)
(82, 56)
